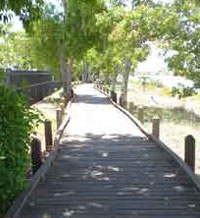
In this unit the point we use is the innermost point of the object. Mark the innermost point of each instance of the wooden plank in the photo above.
(125, 176)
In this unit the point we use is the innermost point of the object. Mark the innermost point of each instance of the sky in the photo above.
(154, 63)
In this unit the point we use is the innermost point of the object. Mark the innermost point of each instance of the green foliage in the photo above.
(183, 92)
(184, 40)
(1, 76)
(82, 32)
(16, 123)
(27, 10)
(46, 37)
(16, 51)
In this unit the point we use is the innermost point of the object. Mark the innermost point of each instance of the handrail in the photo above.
(35, 85)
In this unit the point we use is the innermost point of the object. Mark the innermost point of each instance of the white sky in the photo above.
(154, 63)
(17, 24)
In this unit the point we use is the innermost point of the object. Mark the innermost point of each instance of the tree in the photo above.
(16, 51)
(65, 38)
(80, 33)
(128, 42)
(184, 41)
(46, 35)
(101, 57)
(27, 10)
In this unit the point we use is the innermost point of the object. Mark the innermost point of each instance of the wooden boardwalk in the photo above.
(106, 168)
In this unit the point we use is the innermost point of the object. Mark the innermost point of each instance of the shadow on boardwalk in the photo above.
(117, 176)
(106, 168)
(87, 99)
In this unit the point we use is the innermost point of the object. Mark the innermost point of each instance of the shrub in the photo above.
(183, 92)
(16, 123)
(175, 91)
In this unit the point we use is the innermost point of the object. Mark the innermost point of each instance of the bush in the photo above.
(183, 92)
(16, 123)
(175, 91)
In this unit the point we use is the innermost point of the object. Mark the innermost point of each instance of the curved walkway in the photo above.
(106, 168)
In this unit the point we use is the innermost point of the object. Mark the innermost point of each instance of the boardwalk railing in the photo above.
(189, 147)
(39, 91)
(37, 155)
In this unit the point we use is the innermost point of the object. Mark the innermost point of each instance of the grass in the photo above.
(173, 135)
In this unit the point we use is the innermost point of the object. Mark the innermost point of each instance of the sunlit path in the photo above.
(106, 168)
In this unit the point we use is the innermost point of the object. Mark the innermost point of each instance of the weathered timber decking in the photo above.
(106, 168)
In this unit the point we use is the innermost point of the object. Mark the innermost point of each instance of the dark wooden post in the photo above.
(121, 101)
(126, 105)
(190, 152)
(156, 127)
(113, 96)
(141, 114)
(64, 101)
(58, 117)
(36, 93)
(40, 93)
(131, 107)
(62, 106)
(43, 92)
(105, 90)
(48, 135)
(36, 154)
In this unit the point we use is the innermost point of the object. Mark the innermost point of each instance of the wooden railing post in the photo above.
(190, 152)
(62, 106)
(126, 105)
(105, 90)
(64, 101)
(36, 154)
(156, 127)
(58, 117)
(113, 96)
(131, 107)
(121, 101)
(48, 135)
(141, 114)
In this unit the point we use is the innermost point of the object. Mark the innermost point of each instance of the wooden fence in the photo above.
(35, 84)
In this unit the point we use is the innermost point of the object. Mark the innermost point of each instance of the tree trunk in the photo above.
(64, 73)
(114, 82)
(65, 67)
(114, 78)
(69, 77)
(85, 73)
(126, 75)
